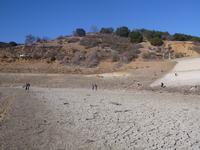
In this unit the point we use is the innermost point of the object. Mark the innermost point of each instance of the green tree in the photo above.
(80, 32)
(122, 31)
(181, 37)
(196, 39)
(107, 30)
(12, 43)
(156, 41)
(136, 37)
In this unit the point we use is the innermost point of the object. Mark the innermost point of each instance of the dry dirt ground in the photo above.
(61, 112)
(79, 118)
(127, 76)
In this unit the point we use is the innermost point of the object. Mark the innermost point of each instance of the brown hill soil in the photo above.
(186, 48)
(127, 77)
(96, 53)
(35, 66)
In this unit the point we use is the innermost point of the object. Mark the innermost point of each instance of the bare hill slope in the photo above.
(92, 53)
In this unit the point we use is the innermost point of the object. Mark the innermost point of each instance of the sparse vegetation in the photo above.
(156, 41)
(122, 31)
(128, 56)
(80, 32)
(150, 34)
(10, 44)
(136, 37)
(89, 50)
(90, 41)
(107, 30)
(30, 39)
(181, 37)
(196, 39)
(149, 55)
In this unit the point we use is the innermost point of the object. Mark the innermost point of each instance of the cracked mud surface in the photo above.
(71, 119)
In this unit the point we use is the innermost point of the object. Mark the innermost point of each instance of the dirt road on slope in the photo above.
(185, 73)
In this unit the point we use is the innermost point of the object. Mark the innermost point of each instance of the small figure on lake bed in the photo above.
(162, 85)
(27, 86)
(92, 86)
(95, 87)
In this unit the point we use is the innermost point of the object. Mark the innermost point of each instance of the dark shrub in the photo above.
(66, 60)
(156, 41)
(42, 40)
(122, 31)
(181, 37)
(3, 44)
(12, 43)
(131, 53)
(60, 37)
(195, 39)
(51, 59)
(136, 37)
(151, 34)
(80, 32)
(115, 42)
(107, 30)
(38, 39)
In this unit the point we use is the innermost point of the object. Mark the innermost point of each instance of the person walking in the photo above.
(95, 86)
(92, 86)
(27, 86)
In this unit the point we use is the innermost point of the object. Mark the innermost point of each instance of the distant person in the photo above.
(27, 86)
(92, 86)
(95, 87)
(139, 84)
(162, 85)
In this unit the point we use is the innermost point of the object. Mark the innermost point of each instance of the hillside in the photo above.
(91, 53)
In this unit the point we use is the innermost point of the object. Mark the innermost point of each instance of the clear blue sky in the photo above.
(52, 18)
